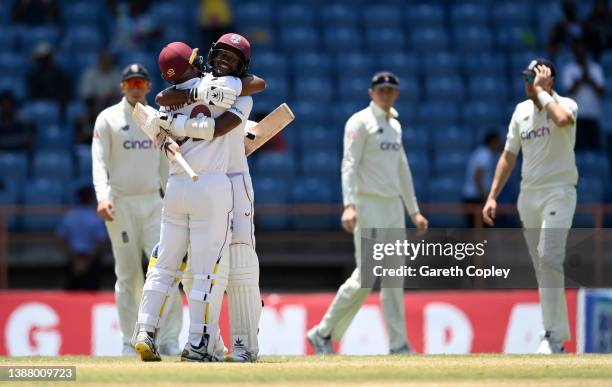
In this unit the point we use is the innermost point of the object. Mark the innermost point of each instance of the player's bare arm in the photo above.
(504, 168)
(171, 96)
(252, 84)
(543, 85)
(225, 123)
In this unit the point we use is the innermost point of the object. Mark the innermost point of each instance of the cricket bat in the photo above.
(267, 128)
(144, 117)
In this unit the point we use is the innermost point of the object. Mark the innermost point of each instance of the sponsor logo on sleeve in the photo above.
(351, 136)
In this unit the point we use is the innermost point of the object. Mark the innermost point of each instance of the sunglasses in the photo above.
(136, 83)
(529, 78)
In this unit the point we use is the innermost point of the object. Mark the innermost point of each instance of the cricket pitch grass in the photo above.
(432, 370)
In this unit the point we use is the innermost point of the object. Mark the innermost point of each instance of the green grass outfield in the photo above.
(473, 370)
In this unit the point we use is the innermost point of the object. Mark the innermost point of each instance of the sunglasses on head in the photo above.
(136, 83)
(529, 78)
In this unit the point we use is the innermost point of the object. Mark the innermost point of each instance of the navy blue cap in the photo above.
(134, 70)
(385, 78)
(536, 62)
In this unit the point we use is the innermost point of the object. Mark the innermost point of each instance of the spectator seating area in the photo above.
(458, 63)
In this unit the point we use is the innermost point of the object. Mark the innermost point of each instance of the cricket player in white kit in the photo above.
(243, 279)
(128, 173)
(544, 127)
(376, 178)
(197, 215)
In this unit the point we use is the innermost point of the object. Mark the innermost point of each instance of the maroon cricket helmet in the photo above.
(235, 43)
(175, 58)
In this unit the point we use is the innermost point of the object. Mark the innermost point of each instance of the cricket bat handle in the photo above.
(181, 161)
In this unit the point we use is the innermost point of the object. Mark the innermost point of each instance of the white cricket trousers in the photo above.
(135, 230)
(547, 216)
(196, 215)
(372, 212)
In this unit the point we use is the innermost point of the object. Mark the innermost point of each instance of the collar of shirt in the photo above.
(127, 106)
(379, 112)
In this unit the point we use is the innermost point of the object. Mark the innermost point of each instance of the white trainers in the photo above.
(145, 346)
(170, 348)
(198, 353)
(321, 345)
(549, 346)
(240, 353)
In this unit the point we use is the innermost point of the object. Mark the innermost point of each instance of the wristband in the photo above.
(203, 128)
(544, 98)
(177, 127)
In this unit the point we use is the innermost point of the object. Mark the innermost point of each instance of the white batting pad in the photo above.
(244, 297)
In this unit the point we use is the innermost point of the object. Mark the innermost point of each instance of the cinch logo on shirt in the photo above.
(535, 133)
(137, 144)
(394, 146)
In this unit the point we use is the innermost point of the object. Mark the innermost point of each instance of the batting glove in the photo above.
(215, 95)
(163, 121)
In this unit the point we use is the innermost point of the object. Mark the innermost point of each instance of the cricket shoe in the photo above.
(170, 348)
(321, 345)
(145, 346)
(198, 353)
(548, 346)
(240, 354)
(404, 350)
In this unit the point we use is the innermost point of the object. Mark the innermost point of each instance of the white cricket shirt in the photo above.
(125, 161)
(374, 161)
(548, 150)
(237, 159)
(209, 156)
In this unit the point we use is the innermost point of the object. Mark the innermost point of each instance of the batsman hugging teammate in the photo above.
(544, 127)
(243, 278)
(193, 125)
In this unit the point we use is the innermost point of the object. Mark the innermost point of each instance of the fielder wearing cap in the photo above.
(134, 70)
(376, 187)
(544, 127)
(385, 78)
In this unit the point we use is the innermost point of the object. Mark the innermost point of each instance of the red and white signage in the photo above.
(458, 322)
